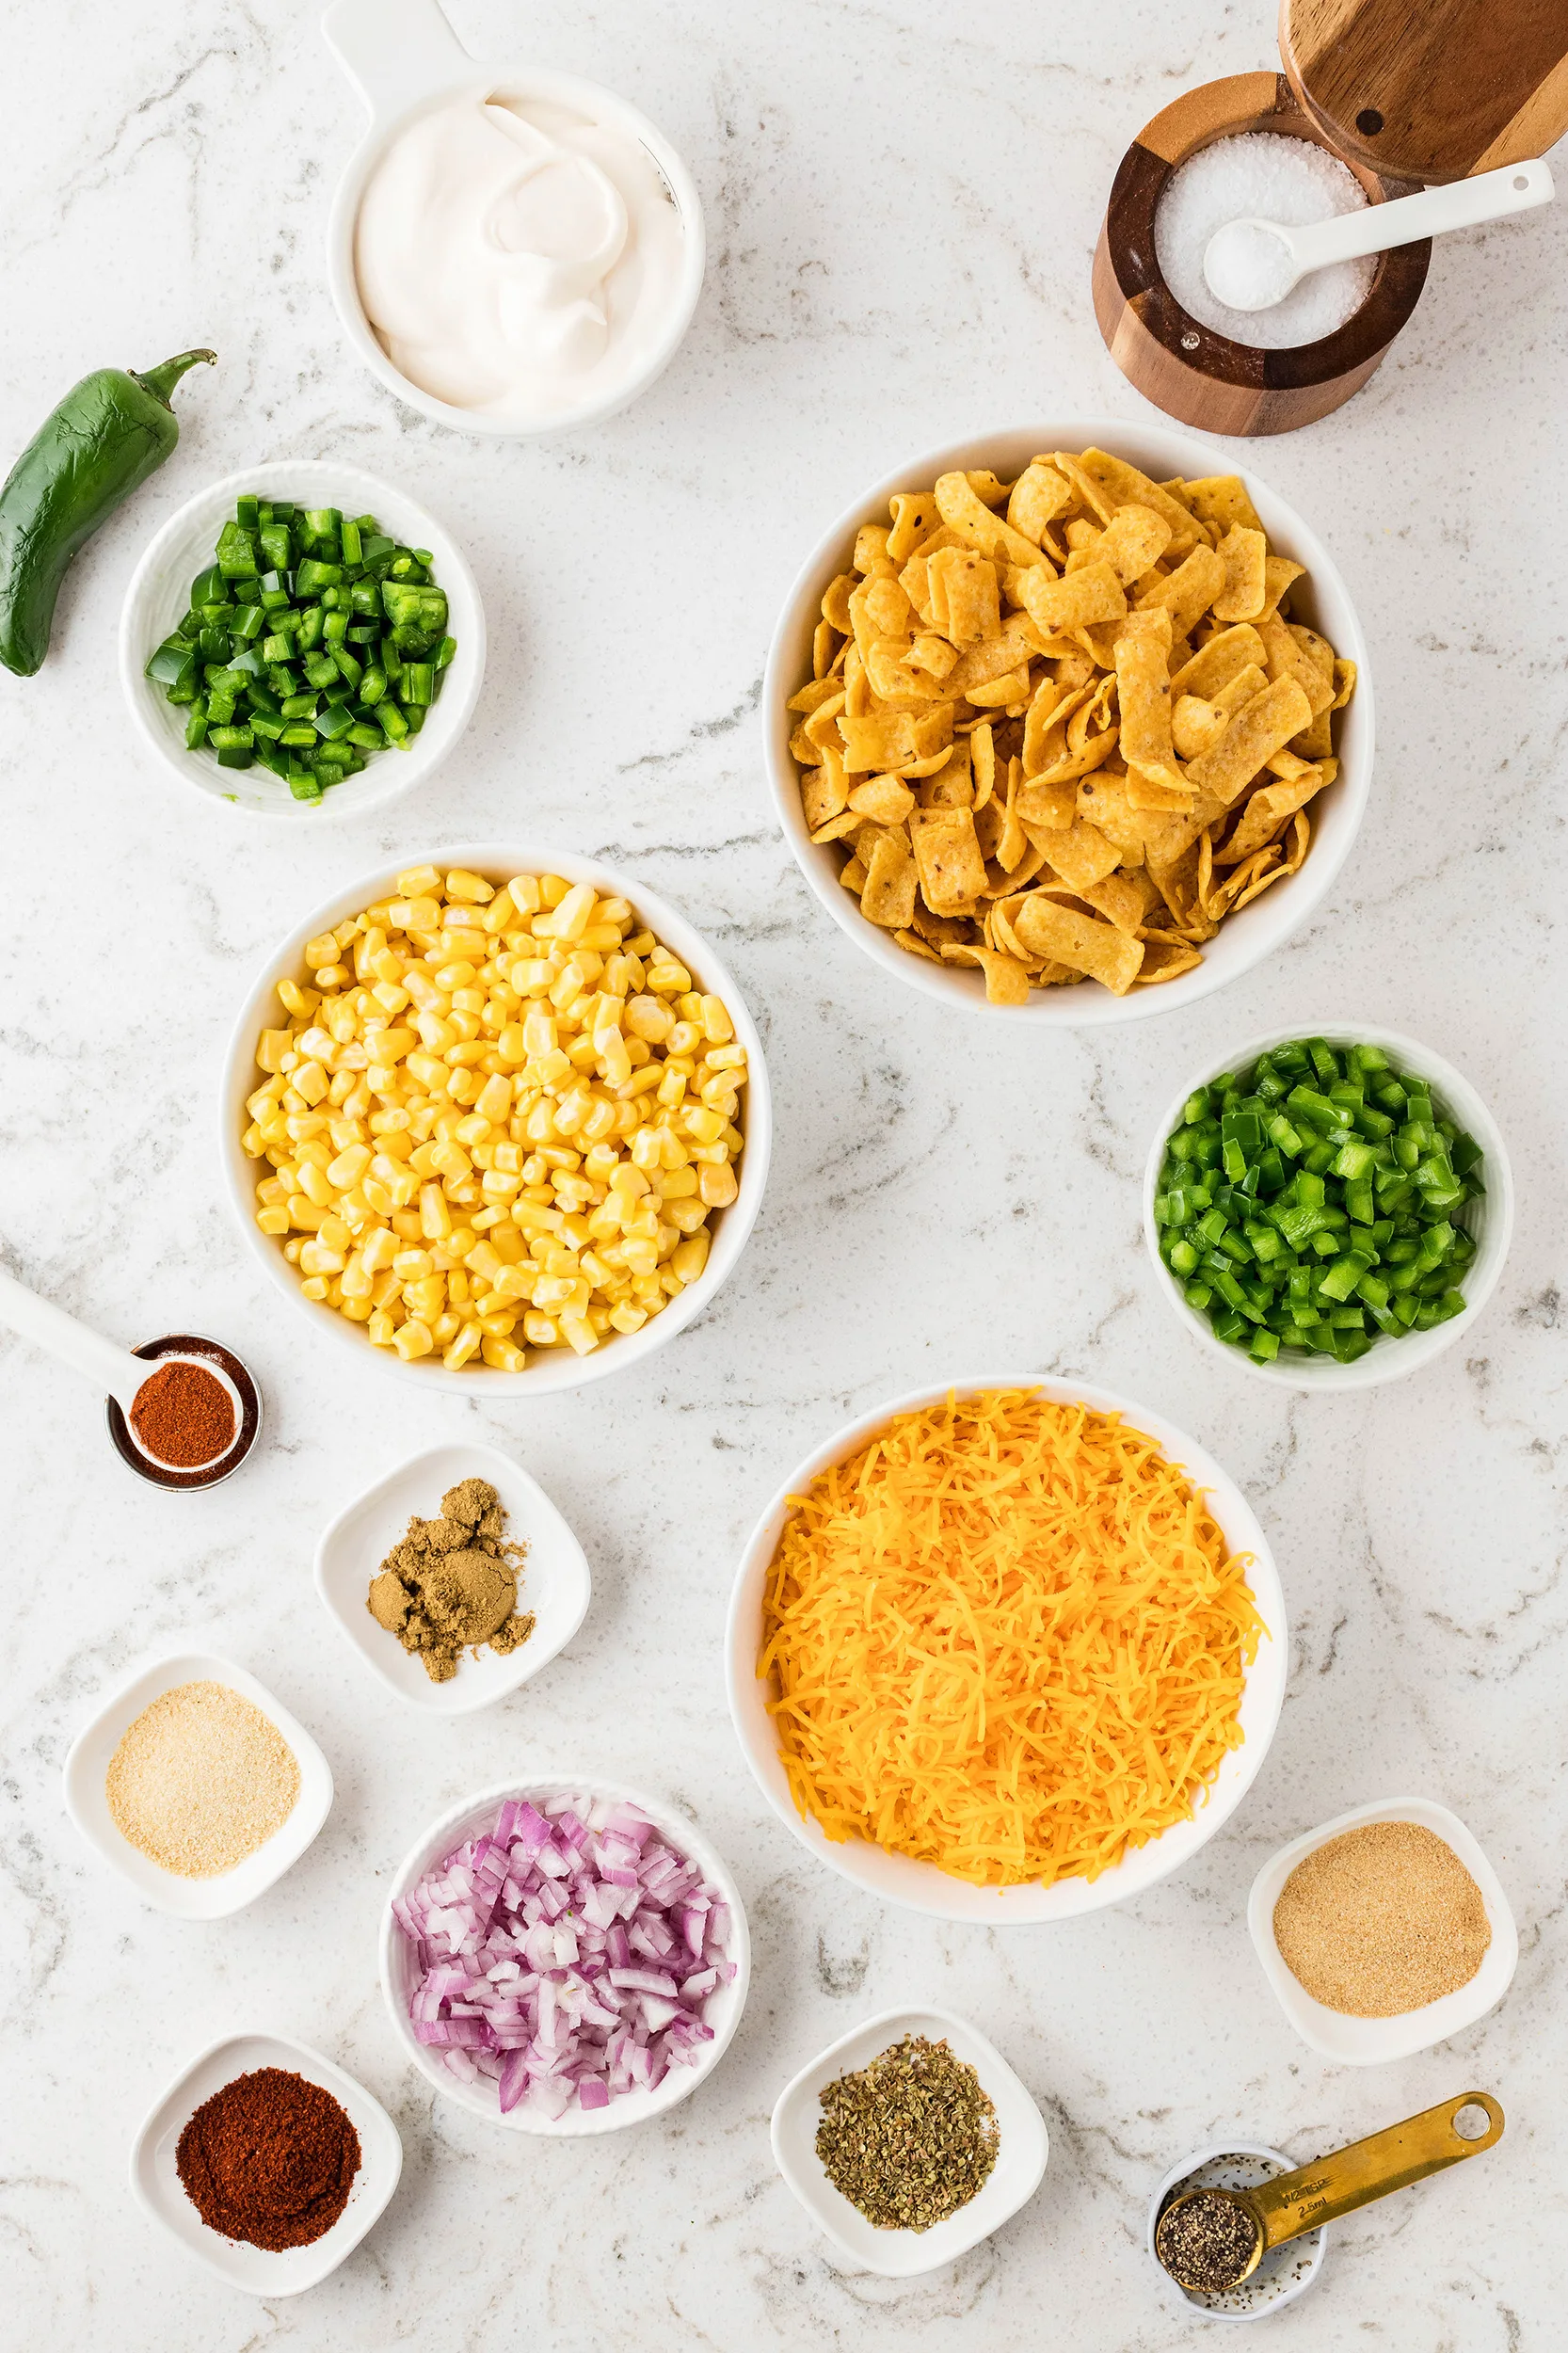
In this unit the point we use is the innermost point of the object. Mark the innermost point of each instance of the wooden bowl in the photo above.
(1184, 367)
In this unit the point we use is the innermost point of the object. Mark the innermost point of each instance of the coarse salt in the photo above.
(1262, 175)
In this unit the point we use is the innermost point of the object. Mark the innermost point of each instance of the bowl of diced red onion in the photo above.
(564, 1957)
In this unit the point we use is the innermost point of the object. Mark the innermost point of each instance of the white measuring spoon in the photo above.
(109, 1366)
(1251, 265)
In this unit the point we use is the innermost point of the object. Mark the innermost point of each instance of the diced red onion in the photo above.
(568, 1953)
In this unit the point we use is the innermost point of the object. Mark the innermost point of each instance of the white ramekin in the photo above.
(1491, 1219)
(1244, 938)
(922, 1887)
(403, 57)
(159, 596)
(547, 1369)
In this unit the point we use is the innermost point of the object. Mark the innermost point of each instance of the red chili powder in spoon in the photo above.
(184, 1415)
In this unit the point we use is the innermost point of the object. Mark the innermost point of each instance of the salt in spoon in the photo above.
(1251, 265)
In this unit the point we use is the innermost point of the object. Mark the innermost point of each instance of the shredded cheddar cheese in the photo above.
(1006, 1638)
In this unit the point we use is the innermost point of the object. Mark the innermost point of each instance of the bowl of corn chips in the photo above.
(1069, 723)
(498, 1121)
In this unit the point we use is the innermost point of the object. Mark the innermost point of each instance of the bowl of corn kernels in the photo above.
(498, 1120)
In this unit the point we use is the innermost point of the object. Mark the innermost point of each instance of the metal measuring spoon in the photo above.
(1251, 265)
(1267, 2217)
(123, 1373)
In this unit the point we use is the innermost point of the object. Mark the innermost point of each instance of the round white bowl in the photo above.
(548, 1370)
(159, 596)
(404, 58)
(1283, 2274)
(1374, 2042)
(1245, 938)
(920, 1886)
(631, 2107)
(1490, 1220)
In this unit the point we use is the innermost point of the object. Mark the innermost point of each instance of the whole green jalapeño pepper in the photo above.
(107, 435)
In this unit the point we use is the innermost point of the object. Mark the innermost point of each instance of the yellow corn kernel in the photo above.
(413, 1340)
(445, 1328)
(434, 1218)
(504, 1355)
(356, 1284)
(703, 1123)
(671, 1088)
(417, 882)
(313, 1184)
(641, 1255)
(467, 1343)
(627, 1316)
(253, 1141)
(494, 1100)
(315, 1287)
(687, 1216)
(322, 949)
(273, 1219)
(684, 1039)
(574, 913)
(271, 1046)
(349, 1166)
(667, 978)
(541, 1329)
(579, 1333)
(473, 888)
(356, 1310)
(379, 1329)
(425, 1301)
(334, 1230)
(676, 1183)
(523, 890)
(424, 914)
(316, 1258)
(717, 1186)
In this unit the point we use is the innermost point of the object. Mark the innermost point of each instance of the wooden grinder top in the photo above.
(1430, 89)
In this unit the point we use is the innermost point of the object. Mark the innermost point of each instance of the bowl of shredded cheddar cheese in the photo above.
(1006, 1650)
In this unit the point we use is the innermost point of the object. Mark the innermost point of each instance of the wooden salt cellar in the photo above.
(1403, 92)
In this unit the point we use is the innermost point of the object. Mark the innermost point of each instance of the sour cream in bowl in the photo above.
(514, 251)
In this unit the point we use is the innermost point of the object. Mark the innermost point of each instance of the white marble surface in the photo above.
(901, 204)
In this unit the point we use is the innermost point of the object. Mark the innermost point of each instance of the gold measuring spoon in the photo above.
(1212, 2239)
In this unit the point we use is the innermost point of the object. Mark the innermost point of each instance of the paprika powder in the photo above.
(269, 2159)
(184, 1415)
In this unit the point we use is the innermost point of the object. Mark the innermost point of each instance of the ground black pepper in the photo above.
(910, 2138)
(269, 2159)
(1206, 2241)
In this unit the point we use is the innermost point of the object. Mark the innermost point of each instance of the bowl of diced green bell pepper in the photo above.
(1330, 1206)
(302, 640)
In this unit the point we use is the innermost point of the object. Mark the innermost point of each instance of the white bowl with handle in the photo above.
(158, 599)
(1490, 1220)
(1323, 599)
(404, 58)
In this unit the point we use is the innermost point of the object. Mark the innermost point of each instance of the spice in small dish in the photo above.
(451, 1584)
(270, 2159)
(201, 1780)
(1382, 1920)
(910, 2138)
(184, 1415)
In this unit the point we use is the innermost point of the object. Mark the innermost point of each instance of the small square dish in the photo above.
(156, 2185)
(1369, 2041)
(1021, 2150)
(88, 1804)
(555, 1582)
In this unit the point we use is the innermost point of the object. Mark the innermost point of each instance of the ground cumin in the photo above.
(452, 1583)
(184, 1415)
(269, 2159)
(1382, 1920)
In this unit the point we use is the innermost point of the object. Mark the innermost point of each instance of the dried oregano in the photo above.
(910, 2138)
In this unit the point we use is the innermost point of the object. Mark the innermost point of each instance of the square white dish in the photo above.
(554, 1581)
(156, 2185)
(87, 1801)
(1370, 2041)
(1021, 2151)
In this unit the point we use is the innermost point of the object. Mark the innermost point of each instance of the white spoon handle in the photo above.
(1462, 204)
(88, 1352)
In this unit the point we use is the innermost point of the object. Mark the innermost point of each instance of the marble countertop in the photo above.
(901, 206)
